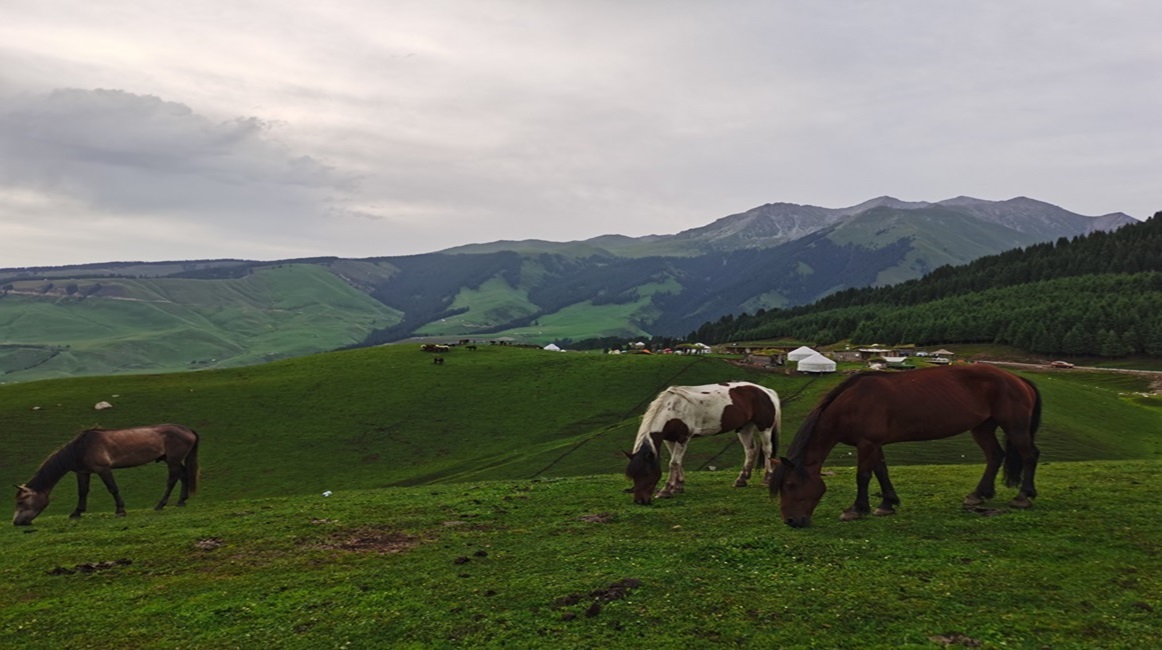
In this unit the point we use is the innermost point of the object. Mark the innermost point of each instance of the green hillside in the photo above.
(456, 491)
(939, 236)
(385, 416)
(114, 325)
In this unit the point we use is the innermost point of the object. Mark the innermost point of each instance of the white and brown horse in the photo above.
(100, 451)
(683, 412)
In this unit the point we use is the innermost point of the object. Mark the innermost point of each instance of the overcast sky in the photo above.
(265, 130)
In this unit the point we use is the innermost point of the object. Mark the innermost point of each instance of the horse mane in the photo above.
(62, 461)
(643, 431)
(806, 431)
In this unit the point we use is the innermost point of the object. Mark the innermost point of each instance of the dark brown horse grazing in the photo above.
(100, 451)
(872, 409)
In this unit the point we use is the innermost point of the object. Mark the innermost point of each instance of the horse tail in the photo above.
(777, 430)
(1014, 464)
(192, 470)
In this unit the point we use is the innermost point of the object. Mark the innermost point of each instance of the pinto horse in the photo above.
(872, 409)
(683, 412)
(100, 451)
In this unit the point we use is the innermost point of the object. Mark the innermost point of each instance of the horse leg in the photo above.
(986, 437)
(749, 448)
(176, 473)
(889, 500)
(768, 456)
(869, 455)
(674, 479)
(107, 478)
(82, 494)
(1023, 445)
(184, 476)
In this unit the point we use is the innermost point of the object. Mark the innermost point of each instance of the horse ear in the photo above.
(785, 461)
(627, 454)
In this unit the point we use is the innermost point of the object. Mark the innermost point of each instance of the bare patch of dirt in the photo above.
(209, 544)
(371, 539)
(954, 638)
(88, 567)
(596, 598)
(598, 518)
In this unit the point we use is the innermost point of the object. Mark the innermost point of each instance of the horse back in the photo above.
(929, 404)
(119, 448)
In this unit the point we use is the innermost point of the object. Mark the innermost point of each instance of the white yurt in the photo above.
(816, 363)
(552, 347)
(798, 354)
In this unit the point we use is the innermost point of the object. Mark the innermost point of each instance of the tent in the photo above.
(816, 363)
(799, 354)
(552, 347)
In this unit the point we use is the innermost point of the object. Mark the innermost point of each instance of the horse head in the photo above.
(29, 504)
(645, 470)
(799, 492)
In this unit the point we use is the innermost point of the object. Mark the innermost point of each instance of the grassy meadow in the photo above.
(479, 503)
(140, 325)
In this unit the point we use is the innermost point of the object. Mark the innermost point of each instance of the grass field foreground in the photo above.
(574, 563)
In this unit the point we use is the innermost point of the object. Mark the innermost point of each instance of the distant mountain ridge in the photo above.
(773, 224)
(145, 317)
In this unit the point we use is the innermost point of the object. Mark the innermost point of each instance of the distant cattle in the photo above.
(435, 347)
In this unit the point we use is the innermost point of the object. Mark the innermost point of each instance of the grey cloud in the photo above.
(139, 154)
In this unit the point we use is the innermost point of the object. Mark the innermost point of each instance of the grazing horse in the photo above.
(682, 412)
(100, 451)
(872, 409)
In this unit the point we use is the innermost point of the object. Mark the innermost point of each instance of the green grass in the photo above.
(493, 303)
(572, 563)
(386, 416)
(481, 503)
(167, 324)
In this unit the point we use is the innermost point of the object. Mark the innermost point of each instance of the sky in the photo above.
(174, 130)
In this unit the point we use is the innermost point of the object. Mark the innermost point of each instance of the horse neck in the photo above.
(65, 460)
(812, 444)
(647, 424)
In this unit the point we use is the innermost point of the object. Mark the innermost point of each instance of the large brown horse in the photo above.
(872, 409)
(100, 451)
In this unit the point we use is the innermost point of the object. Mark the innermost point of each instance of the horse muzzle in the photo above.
(797, 522)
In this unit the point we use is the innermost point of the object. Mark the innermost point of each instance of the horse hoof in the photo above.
(740, 483)
(971, 501)
(1021, 503)
(664, 494)
(159, 508)
(120, 514)
(850, 515)
(75, 515)
(883, 512)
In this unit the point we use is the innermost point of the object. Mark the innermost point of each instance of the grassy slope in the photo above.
(480, 562)
(494, 303)
(525, 563)
(385, 416)
(173, 324)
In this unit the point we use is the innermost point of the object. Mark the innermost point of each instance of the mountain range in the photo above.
(161, 316)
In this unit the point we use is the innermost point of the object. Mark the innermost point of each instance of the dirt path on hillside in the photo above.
(1155, 376)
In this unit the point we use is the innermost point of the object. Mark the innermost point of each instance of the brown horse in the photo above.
(872, 409)
(100, 451)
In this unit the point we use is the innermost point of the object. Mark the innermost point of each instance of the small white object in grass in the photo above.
(327, 493)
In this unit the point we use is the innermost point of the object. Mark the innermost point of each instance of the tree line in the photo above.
(1093, 295)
